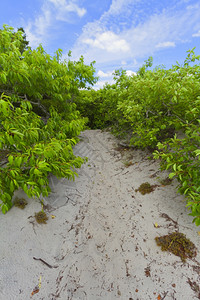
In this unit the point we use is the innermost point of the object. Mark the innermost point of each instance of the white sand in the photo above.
(101, 243)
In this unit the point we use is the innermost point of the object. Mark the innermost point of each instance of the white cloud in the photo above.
(197, 34)
(130, 73)
(63, 8)
(124, 35)
(103, 74)
(104, 77)
(118, 5)
(165, 45)
(43, 21)
(123, 62)
(108, 41)
(34, 40)
(107, 77)
(101, 83)
(39, 29)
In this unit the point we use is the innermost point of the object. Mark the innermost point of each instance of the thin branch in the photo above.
(10, 93)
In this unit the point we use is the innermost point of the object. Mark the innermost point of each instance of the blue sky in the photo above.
(114, 33)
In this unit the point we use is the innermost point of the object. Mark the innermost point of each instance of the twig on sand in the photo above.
(164, 296)
(44, 262)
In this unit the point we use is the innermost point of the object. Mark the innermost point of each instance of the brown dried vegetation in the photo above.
(20, 202)
(145, 188)
(178, 244)
(41, 217)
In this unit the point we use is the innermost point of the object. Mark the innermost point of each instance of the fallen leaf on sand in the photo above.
(35, 290)
(37, 287)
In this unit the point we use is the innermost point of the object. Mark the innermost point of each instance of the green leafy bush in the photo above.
(151, 108)
(35, 150)
(46, 102)
(36, 76)
(39, 122)
(99, 106)
(181, 157)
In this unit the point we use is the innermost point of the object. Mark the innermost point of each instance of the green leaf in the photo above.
(184, 184)
(197, 221)
(10, 159)
(3, 77)
(171, 175)
(31, 182)
(197, 152)
(18, 161)
(12, 187)
(25, 188)
(4, 208)
(37, 172)
(174, 167)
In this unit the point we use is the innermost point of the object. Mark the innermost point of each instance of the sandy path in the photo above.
(100, 245)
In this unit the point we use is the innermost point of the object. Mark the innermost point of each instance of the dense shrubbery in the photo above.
(45, 104)
(39, 123)
(150, 108)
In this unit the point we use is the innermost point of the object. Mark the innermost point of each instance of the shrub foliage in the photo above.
(160, 110)
(45, 102)
(39, 123)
